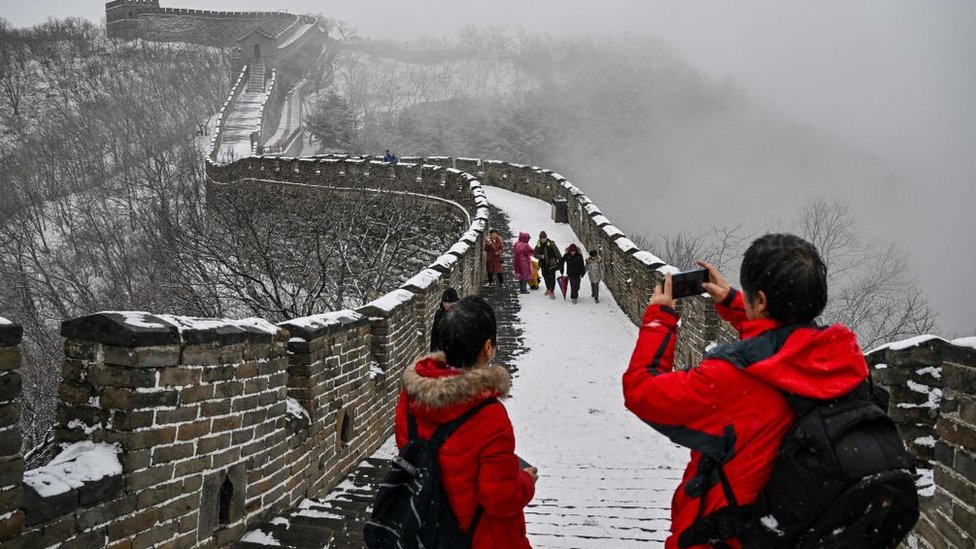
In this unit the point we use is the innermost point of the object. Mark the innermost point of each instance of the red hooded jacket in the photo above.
(478, 462)
(739, 411)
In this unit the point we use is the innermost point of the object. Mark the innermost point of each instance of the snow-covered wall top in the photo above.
(139, 329)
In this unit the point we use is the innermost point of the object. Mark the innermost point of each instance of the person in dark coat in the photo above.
(574, 269)
(550, 261)
(478, 465)
(727, 412)
(493, 256)
(448, 298)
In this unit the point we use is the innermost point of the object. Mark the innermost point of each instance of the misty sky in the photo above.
(895, 77)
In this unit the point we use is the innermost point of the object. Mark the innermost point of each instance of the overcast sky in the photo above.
(896, 77)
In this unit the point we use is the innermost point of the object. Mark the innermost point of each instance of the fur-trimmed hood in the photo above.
(432, 384)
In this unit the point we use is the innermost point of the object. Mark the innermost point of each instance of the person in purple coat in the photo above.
(522, 261)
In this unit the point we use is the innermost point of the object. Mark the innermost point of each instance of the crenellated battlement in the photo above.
(146, 19)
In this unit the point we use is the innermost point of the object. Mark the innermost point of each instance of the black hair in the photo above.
(464, 330)
(790, 272)
(450, 295)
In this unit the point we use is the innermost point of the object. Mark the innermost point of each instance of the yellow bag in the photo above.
(534, 280)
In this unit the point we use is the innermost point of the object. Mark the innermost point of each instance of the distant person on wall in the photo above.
(594, 271)
(575, 269)
(493, 256)
(522, 261)
(732, 409)
(388, 157)
(549, 262)
(448, 298)
(480, 474)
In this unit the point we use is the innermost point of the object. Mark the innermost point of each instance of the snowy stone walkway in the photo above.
(605, 478)
(243, 120)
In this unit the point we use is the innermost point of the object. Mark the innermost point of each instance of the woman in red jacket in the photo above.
(478, 464)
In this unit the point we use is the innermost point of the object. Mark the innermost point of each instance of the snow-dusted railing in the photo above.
(270, 107)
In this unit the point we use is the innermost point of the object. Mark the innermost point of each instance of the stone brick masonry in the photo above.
(223, 425)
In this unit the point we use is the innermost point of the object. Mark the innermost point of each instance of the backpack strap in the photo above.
(446, 430)
(441, 435)
(725, 523)
(411, 426)
(730, 521)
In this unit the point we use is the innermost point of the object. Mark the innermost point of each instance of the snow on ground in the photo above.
(606, 478)
(243, 119)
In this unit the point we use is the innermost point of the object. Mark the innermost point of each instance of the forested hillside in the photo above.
(103, 204)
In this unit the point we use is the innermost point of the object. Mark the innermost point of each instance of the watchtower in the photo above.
(121, 16)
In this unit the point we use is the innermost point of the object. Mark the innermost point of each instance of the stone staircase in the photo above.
(255, 78)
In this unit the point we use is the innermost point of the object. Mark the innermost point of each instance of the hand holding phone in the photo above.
(688, 283)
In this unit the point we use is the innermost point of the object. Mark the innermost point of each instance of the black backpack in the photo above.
(410, 509)
(841, 479)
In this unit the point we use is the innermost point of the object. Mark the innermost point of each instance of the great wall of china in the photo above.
(220, 424)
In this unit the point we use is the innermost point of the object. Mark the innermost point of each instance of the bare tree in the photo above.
(718, 246)
(287, 252)
(872, 289)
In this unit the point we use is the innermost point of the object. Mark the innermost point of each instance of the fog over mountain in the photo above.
(892, 79)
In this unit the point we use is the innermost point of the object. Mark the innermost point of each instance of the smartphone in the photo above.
(523, 464)
(688, 283)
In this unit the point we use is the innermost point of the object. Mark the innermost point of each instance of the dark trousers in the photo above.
(574, 284)
(595, 290)
(499, 275)
(549, 275)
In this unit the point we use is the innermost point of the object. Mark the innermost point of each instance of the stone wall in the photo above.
(933, 401)
(267, 415)
(130, 19)
(219, 424)
(11, 460)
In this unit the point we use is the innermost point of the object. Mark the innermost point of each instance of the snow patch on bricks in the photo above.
(78, 463)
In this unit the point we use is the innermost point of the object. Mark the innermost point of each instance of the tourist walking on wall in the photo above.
(493, 256)
(448, 298)
(574, 269)
(549, 261)
(522, 261)
(594, 271)
(480, 473)
(733, 414)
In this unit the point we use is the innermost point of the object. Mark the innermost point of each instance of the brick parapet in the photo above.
(11, 456)
(191, 404)
(932, 384)
(130, 19)
(913, 377)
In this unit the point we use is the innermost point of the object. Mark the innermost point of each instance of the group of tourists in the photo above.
(545, 258)
(733, 410)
